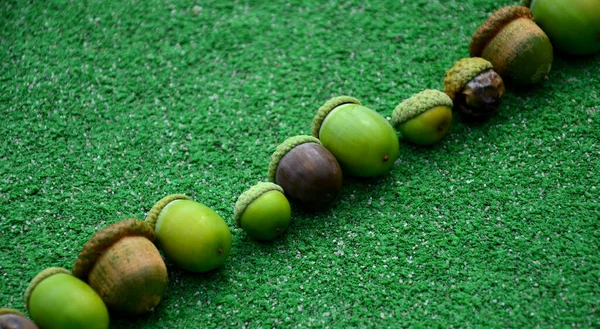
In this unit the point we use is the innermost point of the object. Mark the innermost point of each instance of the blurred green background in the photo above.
(107, 106)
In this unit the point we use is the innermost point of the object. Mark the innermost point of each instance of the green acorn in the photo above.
(58, 300)
(424, 118)
(573, 26)
(192, 235)
(308, 173)
(263, 211)
(362, 140)
(517, 48)
(13, 319)
(474, 87)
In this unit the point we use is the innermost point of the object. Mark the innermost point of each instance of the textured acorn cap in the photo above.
(246, 198)
(160, 205)
(43, 275)
(329, 106)
(4, 311)
(284, 148)
(104, 239)
(462, 72)
(419, 103)
(494, 24)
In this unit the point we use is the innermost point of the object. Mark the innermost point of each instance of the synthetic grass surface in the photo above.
(108, 106)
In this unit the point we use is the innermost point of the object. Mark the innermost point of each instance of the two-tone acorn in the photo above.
(13, 319)
(308, 173)
(55, 299)
(263, 211)
(517, 48)
(190, 234)
(425, 117)
(121, 263)
(361, 139)
(474, 87)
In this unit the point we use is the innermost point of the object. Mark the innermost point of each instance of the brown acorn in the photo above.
(13, 319)
(124, 267)
(474, 87)
(519, 50)
(308, 173)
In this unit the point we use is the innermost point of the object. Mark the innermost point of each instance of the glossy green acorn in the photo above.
(263, 211)
(362, 140)
(55, 299)
(13, 319)
(190, 234)
(424, 118)
(573, 26)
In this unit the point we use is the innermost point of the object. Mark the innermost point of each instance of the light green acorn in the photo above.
(362, 140)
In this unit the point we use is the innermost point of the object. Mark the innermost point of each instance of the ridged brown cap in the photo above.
(462, 72)
(43, 275)
(160, 205)
(419, 103)
(253, 193)
(329, 106)
(284, 148)
(104, 239)
(499, 19)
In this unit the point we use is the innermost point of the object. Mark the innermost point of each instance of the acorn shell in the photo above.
(283, 148)
(462, 72)
(248, 197)
(122, 264)
(419, 103)
(263, 211)
(154, 213)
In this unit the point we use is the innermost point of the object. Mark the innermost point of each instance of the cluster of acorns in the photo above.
(121, 269)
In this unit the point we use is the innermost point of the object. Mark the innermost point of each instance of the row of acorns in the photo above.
(121, 269)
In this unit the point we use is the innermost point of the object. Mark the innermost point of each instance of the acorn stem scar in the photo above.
(385, 158)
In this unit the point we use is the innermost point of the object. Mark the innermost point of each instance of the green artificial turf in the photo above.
(108, 106)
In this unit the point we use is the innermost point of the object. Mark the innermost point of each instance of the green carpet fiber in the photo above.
(108, 106)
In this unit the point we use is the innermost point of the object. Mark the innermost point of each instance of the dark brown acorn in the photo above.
(308, 173)
(475, 88)
(13, 319)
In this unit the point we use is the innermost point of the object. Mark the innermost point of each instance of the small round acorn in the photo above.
(308, 173)
(362, 140)
(13, 319)
(190, 234)
(517, 48)
(55, 299)
(121, 263)
(573, 26)
(263, 211)
(474, 87)
(424, 118)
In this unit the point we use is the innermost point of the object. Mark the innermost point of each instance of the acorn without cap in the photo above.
(121, 263)
(263, 211)
(424, 118)
(190, 234)
(308, 173)
(55, 299)
(13, 319)
(362, 140)
(474, 87)
(517, 48)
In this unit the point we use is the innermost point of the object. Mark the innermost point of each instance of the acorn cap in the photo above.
(419, 103)
(328, 107)
(104, 239)
(4, 311)
(462, 72)
(284, 148)
(43, 275)
(160, 205)
(246, 198)
(499, 19)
